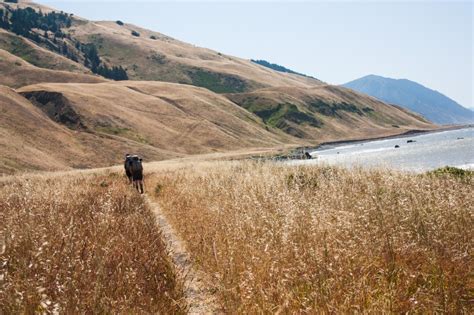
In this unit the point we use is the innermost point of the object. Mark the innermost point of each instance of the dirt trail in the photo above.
(198, 295)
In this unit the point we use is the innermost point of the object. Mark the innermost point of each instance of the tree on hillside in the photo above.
(114, 73)
(277, 67)
(22, 21)
(91, 55)
(27, 22)
(4, 20)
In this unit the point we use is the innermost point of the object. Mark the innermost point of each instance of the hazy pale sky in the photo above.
(430, 42)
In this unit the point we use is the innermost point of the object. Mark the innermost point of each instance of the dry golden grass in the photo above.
(17, 72)
(82, 244)
(175, 118)
(159, 120)
(177, 57)
(281, 239)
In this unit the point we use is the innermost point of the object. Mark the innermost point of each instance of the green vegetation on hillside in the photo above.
(280, 115)
(278, 68)
(332, 109)
(274, 116)
(114, 73)
(217, 82)
(19, 47)
(93, 61)
(3, 20)
(91, 55)
(26, 22)
(23, 21)
(44, 29)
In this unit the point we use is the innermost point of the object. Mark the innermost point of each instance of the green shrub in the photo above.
(217, 82)
(452, 171)
(275, 115)
(332, 109)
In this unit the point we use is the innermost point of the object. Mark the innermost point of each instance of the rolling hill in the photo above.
(179, 100)
(150, 56)
(30, 139)
(89, 125)
(38, 56)
(327, 113)
(17, 72)
(167, 59)
(433, 105)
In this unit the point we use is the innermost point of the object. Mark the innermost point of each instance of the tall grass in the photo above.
(82, 244)
(325, 240)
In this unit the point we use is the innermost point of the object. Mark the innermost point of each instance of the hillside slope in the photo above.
(53, 126)
(327, 113)
(32, 140)
(152, 56)
(167, 59)
(433, 105)
(37, 55)
(16, 72)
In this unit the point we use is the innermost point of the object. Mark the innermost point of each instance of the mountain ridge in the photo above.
(278, 67)
(430, 103)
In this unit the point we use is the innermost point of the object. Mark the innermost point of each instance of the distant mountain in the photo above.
(278, 68)
(433, 105)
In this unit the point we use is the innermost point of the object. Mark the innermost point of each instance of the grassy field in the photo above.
(280, 239)
(82, 244)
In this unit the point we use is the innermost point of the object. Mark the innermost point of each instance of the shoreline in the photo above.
(406, 134)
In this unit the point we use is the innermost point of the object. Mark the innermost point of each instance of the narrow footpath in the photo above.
(198, 296)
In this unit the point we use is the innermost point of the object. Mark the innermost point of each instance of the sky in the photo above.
(430, 42)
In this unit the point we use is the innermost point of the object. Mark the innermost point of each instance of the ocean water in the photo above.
(426, 152)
